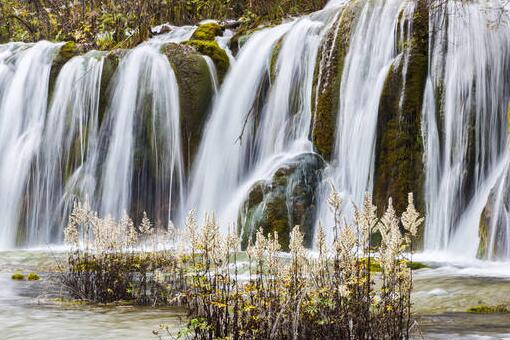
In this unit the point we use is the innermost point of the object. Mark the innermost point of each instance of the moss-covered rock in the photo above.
(33, 277)
(492, 242)
(274, 59)
(110, 65)
(65, 52)
(195, 91)
(215, 52)
(288, 199)
(207, 32)
(328, 77)
(18, 276)
(399, 145)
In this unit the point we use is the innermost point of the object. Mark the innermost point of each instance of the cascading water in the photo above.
(22, 114)
(224, 151)
(465, 122)
(53, 155)
(213, 73)
(257, 124)
(121, 146)
(372, 51)
(145, 96)
(143, 165)
(70, 129)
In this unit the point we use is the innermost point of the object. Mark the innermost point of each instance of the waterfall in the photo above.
(145, 95)
(372, 51)
(261, 117)
(70, 129)
(465, 122)
(110, 127)
(224, 151)
(22, 114)
(142, 168)
(213, 73)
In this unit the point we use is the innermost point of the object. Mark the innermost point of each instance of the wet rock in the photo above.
(66, 52)
(399, 145)
(215, 52)
(327, 79)
(207, 32)
(288, 199)
(494, 215)
(195, 92)
(110, 65)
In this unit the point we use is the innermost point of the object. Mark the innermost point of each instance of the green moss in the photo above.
(375, 265)
(18, 276)
(195, 94)
(327, 80)
(207, 32)
(274, 59)
(483, 232)
(66, 52)
(33, 277)
(399, 145)
(215, 52)
(486, 309)
(417, 265)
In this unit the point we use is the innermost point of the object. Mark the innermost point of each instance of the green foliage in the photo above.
(108, 24)
(18, 276)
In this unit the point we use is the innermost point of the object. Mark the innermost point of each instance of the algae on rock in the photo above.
(328, 78)
(399, 144)
(287, 199)
(203, 40)
(195, 95)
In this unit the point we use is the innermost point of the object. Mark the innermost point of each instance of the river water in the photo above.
(32, 310)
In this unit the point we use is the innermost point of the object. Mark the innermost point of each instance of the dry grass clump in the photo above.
(329, 293)
(112, 261)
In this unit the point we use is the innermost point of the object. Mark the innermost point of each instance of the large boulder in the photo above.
(287, 199)
(196, 91)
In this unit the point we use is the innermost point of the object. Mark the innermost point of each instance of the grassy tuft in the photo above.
(18, 276)
(33, 277)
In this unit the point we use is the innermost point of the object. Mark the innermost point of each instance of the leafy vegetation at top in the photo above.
(106, 24)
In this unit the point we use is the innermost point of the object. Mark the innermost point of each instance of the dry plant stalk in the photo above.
(349, 289)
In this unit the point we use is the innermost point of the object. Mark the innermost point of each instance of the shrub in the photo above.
(329, 294)
(111, 261)
(341, 290)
